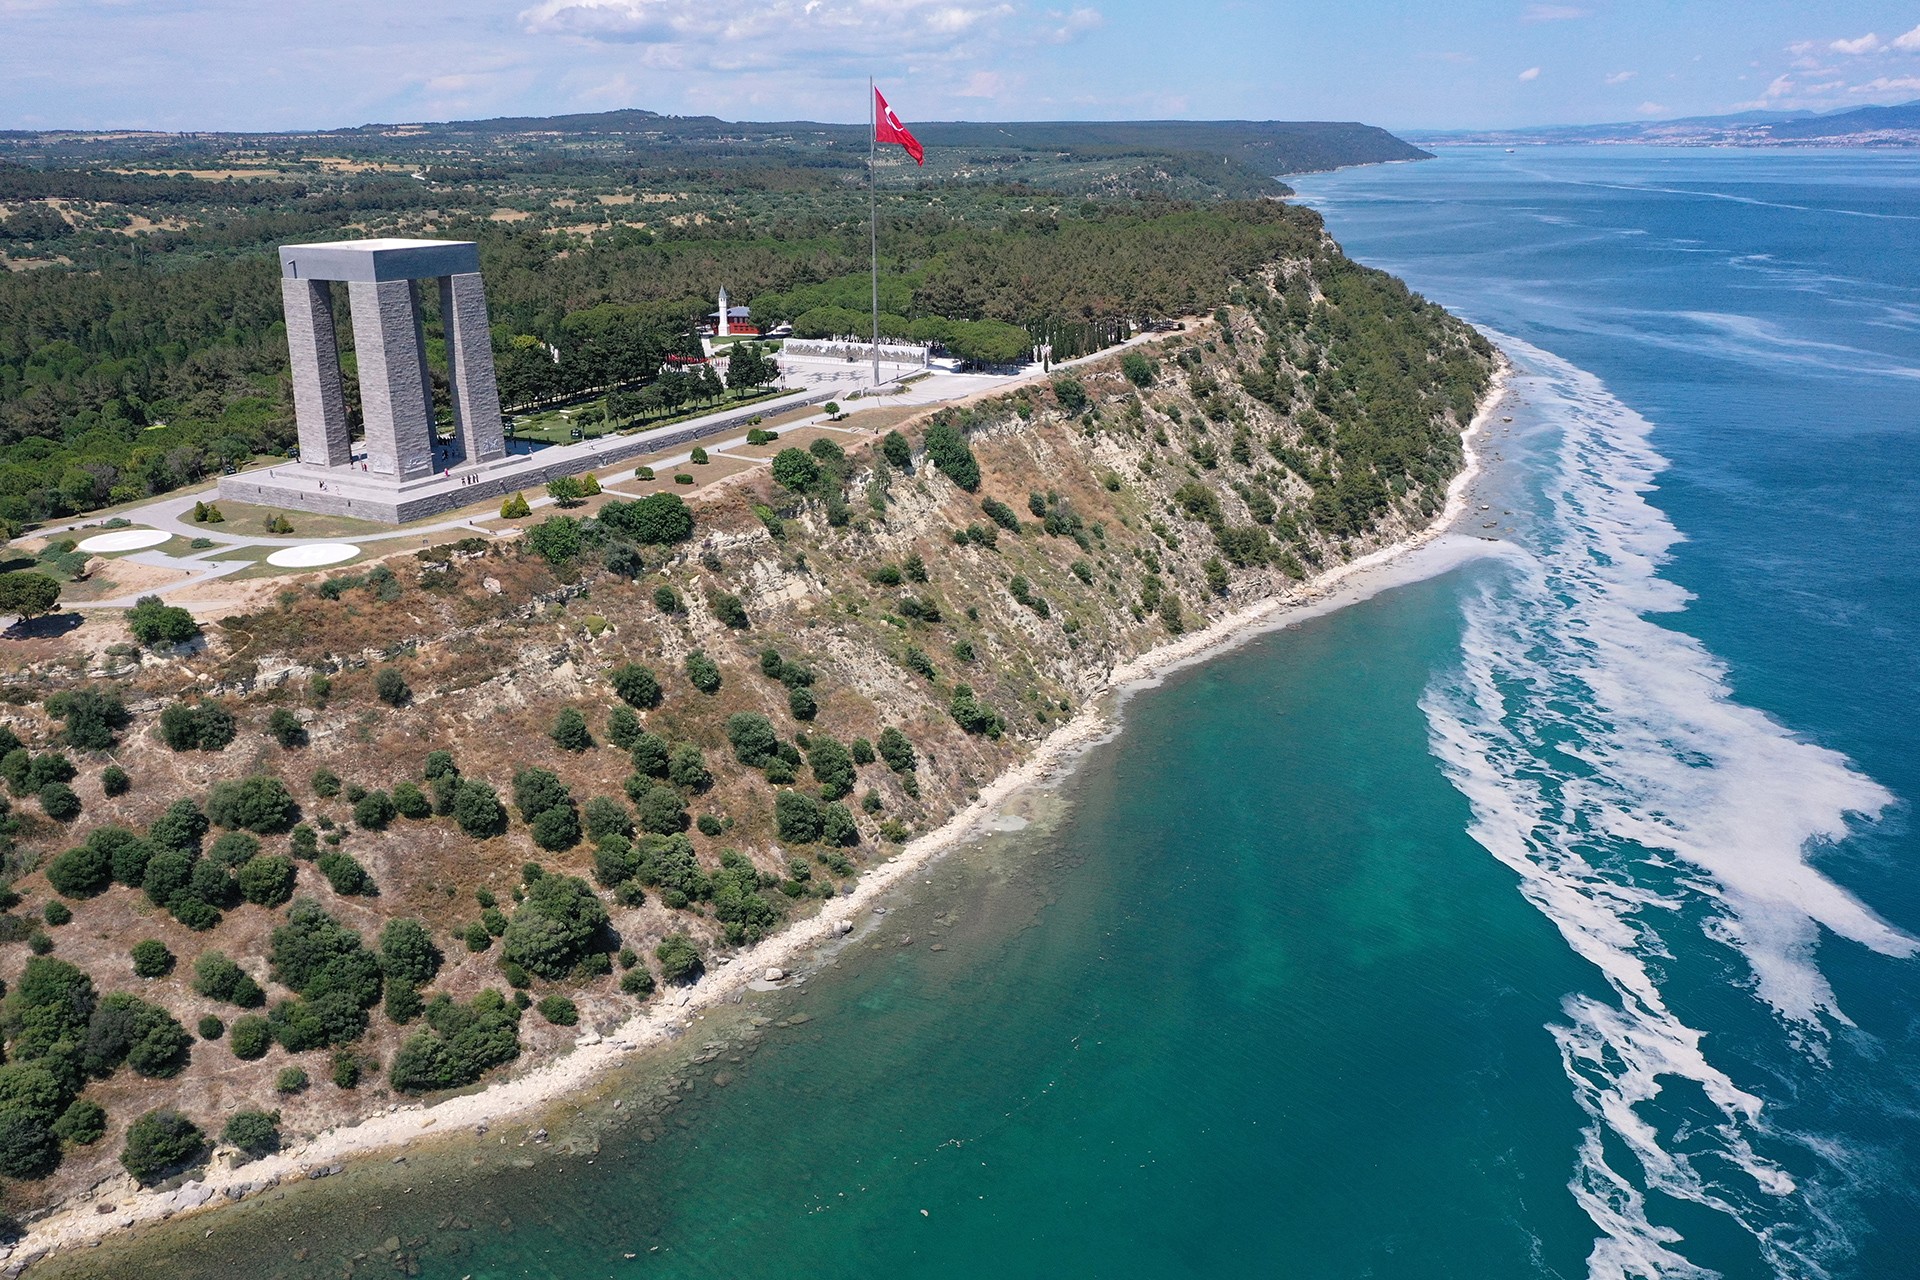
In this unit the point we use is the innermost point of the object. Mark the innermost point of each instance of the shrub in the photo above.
(569, 730)
(325, 783)
(731, 610)
(515, 507)
(259, 804)
(477, 808)
(637, 981)
(650, 755)
(623, 561)
(151, 959)
(1001, 514)
(56, 913)
(407, 952)
(862, 751)
(558, 1010)
(948, 451)
(266, 881)
(159, 1142)
(752, 738)
(687, 768)
(144, 1036)
(973, 715)
(391, 687)
(285, 728)
(679, 959)
(556, 829)
(291, 1080)
(667, 600)
(897, 751)
(211, 1027)
(92, 720)
(623, 728)
(153, 622)
(552, 931)
(257, 1133)
(832, 767)
(661, 811)
(114, 780)
(374, 811)
(345, 1069)
(81, 872)
(1138, 369)
(410, 802)
(709, 825)
(49, 766)
(250, 1037)
(537, 790)
(896, 450)
(459, 1044)
(655, 520)
(59, 802)
(795, 470)
(233, 848)
(477, 938)
(636, 685)
(82, 1124)
(837, 826)
(702, 673)
(344, 872)
(797, 817)
(179, 829)
(556, 539)
(217, 977)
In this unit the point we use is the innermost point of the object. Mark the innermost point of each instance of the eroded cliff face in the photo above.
(1117, 505)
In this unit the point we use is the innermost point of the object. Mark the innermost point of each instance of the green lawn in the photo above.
(556, 426)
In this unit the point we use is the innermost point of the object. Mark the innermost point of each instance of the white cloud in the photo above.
(794, 32)
(1062, 28)
(1780, 88)
(1909, 42)
(982, 84)
(1553, 13)
(1865, 44)
(1621, 77)
(1652, 109)
(1531, 73)
(1884, 84)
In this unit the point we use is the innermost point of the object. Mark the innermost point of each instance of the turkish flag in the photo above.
(887, 128)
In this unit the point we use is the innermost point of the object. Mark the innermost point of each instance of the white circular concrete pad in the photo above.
(312, 555)
(124, 540)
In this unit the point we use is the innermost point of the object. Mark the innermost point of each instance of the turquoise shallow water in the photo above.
(1548, 917)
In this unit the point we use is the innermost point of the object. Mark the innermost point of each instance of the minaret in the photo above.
(725, 328)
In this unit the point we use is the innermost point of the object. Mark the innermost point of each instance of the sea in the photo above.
(1550, 910)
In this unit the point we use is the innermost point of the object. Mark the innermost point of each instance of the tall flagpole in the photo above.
(873, 219)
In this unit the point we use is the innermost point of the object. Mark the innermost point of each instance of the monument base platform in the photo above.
(347, 491)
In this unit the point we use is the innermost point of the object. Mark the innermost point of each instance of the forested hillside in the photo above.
(137, 378)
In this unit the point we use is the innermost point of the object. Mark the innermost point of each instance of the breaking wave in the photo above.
(1643, 809)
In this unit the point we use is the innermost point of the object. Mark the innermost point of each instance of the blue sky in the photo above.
(290, 64)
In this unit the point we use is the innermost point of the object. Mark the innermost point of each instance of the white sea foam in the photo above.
(1607, 764)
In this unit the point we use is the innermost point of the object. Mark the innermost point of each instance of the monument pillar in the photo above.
(396, 395)
(319, 400)
(473, 387)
